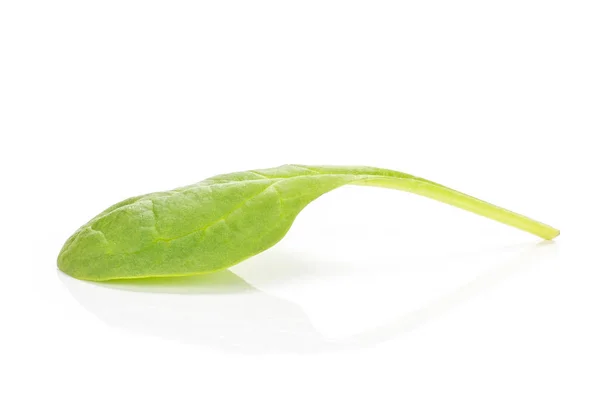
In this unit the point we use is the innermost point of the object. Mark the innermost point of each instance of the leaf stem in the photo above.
(458, 199)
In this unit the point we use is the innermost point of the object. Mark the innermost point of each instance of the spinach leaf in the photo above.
(218, 222)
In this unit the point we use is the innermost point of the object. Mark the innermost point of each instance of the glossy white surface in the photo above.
(374, 293)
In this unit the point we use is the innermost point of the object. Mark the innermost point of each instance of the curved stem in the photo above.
(461, 200)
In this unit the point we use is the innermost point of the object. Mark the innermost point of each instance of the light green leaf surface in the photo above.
(217, 223)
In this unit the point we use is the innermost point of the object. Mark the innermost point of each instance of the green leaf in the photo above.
(217, 223)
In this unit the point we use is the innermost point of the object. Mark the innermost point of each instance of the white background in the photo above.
(373, 294)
